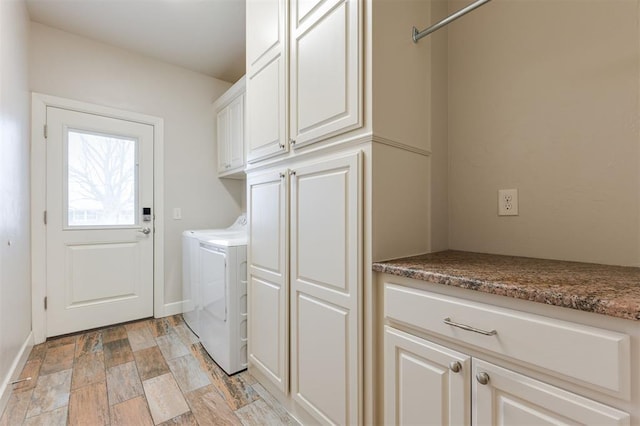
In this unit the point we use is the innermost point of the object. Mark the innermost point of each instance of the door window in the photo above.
(101, 180)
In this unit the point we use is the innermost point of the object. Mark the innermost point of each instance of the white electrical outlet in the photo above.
(177, 213)
(507, 202)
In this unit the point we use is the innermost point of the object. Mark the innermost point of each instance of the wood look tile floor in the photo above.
(148, 372)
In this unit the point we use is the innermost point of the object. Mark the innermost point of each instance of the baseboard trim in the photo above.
(173, 308)
(17, 366)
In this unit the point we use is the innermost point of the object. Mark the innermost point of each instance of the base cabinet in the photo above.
(427, 383)
(305, 284)
(445, 362)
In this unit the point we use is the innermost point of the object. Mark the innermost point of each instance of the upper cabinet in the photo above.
(304, 67)
(230, 131)
(325, 68)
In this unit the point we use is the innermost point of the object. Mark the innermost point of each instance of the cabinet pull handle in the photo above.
(292, 141)
(282, 175)
(482, 378)
(292, 172)
(469, 328)
(281, 146)
(455, 366)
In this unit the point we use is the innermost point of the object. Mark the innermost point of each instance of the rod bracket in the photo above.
(414, 34)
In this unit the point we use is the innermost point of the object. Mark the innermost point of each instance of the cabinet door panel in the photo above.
(315, 64)
(323, 376)
(222, 122)
(266, 110)
(268, 281)
(326, 287)
(325, 69)
(265, 28)
(325, 229)
(267, 225)
(236, 133)
(322, 228)
(267, 344)
(513, 399)
(266, 98)
(419, 386)
(302, 8)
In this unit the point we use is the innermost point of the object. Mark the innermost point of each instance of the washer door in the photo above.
(213, 279)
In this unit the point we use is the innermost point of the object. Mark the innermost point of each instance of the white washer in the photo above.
(215, 292)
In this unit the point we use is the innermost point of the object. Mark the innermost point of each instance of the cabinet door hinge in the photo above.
(46, 134)
(45, 303)
(45, 217)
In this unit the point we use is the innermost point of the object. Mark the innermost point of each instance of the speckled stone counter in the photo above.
(603, 289)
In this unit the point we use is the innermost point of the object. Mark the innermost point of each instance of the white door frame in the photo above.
(39, 104)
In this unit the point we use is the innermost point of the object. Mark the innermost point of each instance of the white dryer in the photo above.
(215, 292)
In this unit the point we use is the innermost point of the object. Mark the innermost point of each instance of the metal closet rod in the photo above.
(417, 35)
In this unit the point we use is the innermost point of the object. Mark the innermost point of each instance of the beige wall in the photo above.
(438, 131)
(408, 82)
(543, 97)
(15, 275)
(74, 67)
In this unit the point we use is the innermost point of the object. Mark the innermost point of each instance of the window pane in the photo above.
(101, 185)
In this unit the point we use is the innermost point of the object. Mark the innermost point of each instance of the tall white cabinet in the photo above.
(316, 213)
(453, 361)
(305, 318)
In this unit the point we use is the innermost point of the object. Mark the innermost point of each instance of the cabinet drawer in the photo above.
(599, 358)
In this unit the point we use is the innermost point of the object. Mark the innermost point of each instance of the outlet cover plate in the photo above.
(507, 202)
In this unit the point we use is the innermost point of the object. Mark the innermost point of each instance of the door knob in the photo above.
(482, 378)
(145, 231)
(455, 366)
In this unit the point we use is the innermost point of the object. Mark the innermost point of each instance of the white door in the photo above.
(325, 69)
(268, 290)
(99, 245)
(424, 383)
(504, 397)
(326, 289)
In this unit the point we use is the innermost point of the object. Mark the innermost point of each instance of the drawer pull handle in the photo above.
(469, 328)
(482, 378)
(455, 366)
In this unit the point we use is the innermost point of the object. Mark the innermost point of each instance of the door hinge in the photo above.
(45, 217)
(46, 134)
(45, 303)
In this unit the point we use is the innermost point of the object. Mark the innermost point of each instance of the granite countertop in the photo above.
(603, 289)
